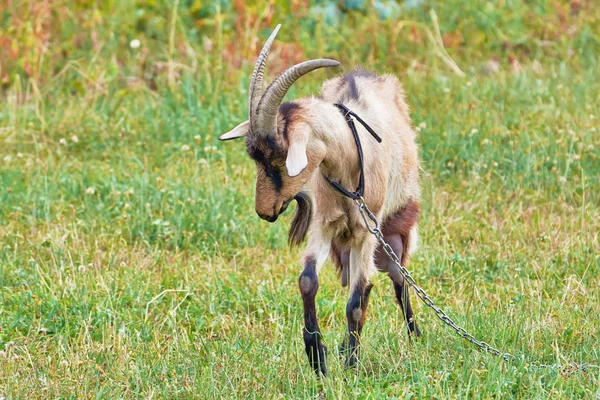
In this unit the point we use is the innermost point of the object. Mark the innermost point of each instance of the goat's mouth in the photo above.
(284, 206)
(273, 217)
(282, 209)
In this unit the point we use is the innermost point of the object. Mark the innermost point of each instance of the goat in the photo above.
(297, 145)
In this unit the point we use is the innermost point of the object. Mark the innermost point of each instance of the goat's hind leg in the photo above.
(401, 290)
(385, 264)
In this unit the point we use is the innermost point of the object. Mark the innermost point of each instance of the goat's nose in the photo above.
(267, 217)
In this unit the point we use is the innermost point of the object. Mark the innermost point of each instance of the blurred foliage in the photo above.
(40, 38)
(132, 264)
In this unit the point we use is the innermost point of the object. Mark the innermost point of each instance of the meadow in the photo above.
(133, 265)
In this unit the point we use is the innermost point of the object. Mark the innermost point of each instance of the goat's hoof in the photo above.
(413, 330)
(317, 355)
(342, 350)
(351, 361)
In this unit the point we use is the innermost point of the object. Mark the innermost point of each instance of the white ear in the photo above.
(239, 131)
(296, 159)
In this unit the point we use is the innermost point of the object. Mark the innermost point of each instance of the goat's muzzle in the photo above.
(276, 213)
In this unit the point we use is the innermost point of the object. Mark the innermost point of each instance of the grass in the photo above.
(132, 263)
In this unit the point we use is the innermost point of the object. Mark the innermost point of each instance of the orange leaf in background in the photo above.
(291, 53)
(28, 69)
(14, 49)
(414, 35)
(452, 40)
(575, 7)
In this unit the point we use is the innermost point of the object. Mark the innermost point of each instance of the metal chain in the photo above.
(373, 227)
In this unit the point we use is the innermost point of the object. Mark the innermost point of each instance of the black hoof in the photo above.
(351, 361)
(342, 350)
(413, 330)
(317, 355)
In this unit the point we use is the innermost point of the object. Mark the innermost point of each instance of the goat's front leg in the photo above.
(309, 285)
(361, 269)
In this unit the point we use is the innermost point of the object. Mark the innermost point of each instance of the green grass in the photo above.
(132, 263)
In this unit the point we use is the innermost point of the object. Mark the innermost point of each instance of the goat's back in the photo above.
(380, 101)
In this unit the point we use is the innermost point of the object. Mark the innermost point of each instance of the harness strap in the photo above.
(360, 189)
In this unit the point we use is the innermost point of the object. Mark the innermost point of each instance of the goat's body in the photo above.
(391, 172)
(391, 168)
(296, 144)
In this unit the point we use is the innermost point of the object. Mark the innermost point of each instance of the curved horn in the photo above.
(256, 84)
(269, 104)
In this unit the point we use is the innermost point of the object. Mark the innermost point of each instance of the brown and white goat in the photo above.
(296, 144)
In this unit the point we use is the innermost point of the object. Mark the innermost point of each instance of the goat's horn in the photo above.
(269, 104)
(256, 84)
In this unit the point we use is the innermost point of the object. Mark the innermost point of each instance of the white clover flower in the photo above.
(19, 155)
(422, 125)
(474, 130)
(468, 83)
(64, 363)
(562, 179)
(81, 268)
(90, 190)
(62, 141)
(135, 44)
(185, 147)
(8, 158)
(74, 139)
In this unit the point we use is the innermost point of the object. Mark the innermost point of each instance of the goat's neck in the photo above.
(341, 158)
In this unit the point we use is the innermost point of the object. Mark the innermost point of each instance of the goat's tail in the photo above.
(302, 218)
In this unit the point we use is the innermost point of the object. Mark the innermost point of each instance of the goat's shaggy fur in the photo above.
(297, 145)
(391, 168)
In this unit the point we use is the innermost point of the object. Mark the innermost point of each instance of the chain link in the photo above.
(372, 224)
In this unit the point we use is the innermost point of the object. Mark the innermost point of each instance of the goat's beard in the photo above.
(302, 218)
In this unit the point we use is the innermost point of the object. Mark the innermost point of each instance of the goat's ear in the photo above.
(296, 158)
(239, 131)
